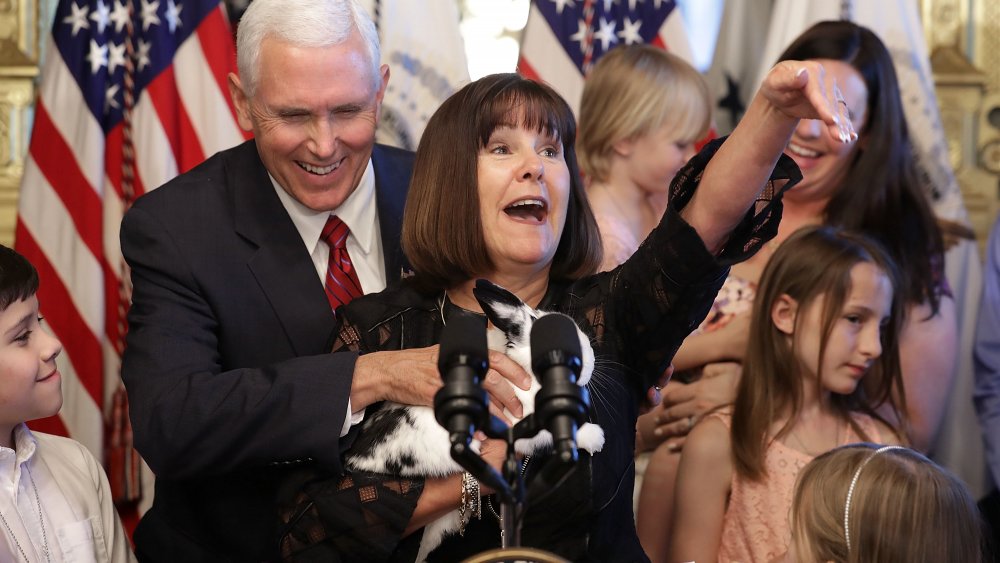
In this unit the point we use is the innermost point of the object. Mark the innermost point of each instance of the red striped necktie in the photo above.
(341, 282)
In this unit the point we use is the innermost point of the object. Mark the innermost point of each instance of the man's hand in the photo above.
(408, 377)
(411, 377)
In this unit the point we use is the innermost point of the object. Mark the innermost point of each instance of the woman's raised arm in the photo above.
(734, 178)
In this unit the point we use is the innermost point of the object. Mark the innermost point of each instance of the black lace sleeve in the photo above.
(353, 517)
(641, 311)
(761, 221)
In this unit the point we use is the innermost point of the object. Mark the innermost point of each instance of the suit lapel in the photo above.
(392, 179)
(280, 264)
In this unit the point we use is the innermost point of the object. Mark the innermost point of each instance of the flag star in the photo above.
(78, 19)
(560, 4)
(173, 16)
(630, 31)
(143, 55)
(657, 4)
(149, 16)
(100, 16)
(119, 16)
(606, 34)
(581, 35)
(116, 57)
(632, 3)
(98, 56)
(608, 3)
(110, 98)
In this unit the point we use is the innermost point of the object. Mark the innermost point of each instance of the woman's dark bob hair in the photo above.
(442, 229)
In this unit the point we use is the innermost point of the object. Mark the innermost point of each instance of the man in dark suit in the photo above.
(227, 367)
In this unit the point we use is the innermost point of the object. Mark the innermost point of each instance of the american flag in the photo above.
(563, 39)
(131, 94)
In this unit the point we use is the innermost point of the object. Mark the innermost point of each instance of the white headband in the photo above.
(850, 491)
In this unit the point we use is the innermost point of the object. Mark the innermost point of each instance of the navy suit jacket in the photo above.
(226, 364)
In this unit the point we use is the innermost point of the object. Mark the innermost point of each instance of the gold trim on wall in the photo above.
(21, 33)
(16, 97)
(964, 40)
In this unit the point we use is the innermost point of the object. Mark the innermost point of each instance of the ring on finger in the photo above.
(690, 422)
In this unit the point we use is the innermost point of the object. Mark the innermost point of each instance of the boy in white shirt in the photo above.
(55, 502)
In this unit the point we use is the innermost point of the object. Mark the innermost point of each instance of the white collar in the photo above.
(25, 446)
(358, 211)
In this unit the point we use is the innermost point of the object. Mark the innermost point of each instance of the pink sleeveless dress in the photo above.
(756, 527)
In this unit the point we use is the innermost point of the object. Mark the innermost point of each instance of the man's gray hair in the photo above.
(303, 23)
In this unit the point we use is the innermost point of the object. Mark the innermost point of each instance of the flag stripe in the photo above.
(176, 124)
(113, 160)
(60, 95)
(73, 191)
(155, 162)
(83, 348)
(50, 424)
(203, 98)
(78, 269)
(54, 159)
(219, 62)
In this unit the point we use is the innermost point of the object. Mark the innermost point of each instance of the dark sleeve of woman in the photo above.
(642, 310)
(356, 516)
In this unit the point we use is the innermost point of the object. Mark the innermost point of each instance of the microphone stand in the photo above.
(510, 487)
(561, 406)
(509, 484)
(513, 492)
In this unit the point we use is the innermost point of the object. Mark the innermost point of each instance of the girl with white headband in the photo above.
(865, 502)
(820, 368)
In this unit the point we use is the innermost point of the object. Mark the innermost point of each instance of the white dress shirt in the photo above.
(73, 500)
(364, 243)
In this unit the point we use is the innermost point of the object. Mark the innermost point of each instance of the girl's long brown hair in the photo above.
(811, 264)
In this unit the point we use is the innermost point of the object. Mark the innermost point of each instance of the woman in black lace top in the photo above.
(496, 194)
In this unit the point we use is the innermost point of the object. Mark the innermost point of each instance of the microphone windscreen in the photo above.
(463, 342)
(554, 339)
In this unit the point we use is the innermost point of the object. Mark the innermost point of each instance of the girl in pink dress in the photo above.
(822, 357)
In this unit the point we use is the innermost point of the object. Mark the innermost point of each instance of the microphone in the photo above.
(561, 404)
(460, 406)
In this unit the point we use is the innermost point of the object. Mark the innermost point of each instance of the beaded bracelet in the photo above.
(470, 503)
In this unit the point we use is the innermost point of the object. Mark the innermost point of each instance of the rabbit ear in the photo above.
(504, 309)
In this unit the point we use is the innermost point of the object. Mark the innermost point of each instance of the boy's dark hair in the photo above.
(18, 278)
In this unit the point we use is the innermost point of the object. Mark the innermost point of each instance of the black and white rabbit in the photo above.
(408, 441)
